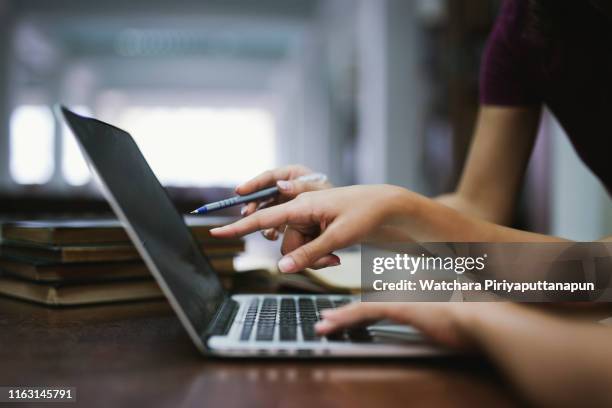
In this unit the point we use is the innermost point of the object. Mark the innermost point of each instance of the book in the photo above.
(102, 253)
(45, 271)
(63, 294)
(80, 294)
(94, 231)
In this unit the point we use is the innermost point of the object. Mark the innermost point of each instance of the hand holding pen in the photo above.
(270, 188)
(290, 180)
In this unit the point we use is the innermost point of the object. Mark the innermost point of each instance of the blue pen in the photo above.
(256, 196)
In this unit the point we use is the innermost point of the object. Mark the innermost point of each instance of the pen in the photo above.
(258, 195)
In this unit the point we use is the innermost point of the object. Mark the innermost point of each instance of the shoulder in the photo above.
(512, 25)
(508, 73)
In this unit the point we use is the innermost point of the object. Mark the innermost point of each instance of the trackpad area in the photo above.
(386, 330)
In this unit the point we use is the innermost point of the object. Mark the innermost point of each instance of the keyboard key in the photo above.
(308, 317)
(266, 320)
(308, 332)
(288, 320)
(288, 333)
(265, 333)
(246, 332)
(324, 303)
(265, 336)
(249, 320)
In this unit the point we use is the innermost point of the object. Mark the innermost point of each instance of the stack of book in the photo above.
(76, 262)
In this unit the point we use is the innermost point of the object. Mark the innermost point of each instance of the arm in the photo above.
(487, 191)
(496, 164)
(491, 180)
(321, 222)
(425, 220)
(553, 362)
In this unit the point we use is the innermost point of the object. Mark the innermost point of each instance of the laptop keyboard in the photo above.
(295, 319)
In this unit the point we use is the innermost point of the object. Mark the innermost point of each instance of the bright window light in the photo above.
(74, 166)
(203, 146)
(31, 144)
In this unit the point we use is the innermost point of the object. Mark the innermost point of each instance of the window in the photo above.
(32, 130)
(202, 146)
(185, 146)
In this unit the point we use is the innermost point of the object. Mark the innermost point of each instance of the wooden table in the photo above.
(138, 355)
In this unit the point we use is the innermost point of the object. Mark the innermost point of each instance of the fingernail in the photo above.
(327, 312)
(269, 234)
(286, 264)
(335, 263)
(284, 185)
(243, 210)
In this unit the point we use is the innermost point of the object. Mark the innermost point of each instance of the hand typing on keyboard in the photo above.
(444, 323)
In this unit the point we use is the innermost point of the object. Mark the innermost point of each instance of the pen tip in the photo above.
(194, 212)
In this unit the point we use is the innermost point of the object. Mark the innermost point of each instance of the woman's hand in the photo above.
(321, 222)
(552, 361)
(444, 323)
(285, 179)
(289, 187)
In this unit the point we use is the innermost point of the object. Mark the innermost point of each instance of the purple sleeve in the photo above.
(507, 74)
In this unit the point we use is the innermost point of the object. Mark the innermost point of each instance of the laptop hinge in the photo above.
(222, 321)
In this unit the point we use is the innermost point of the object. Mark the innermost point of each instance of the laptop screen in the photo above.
(153, 223)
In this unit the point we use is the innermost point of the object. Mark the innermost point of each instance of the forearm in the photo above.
(494, 169)
(554, 362)
(464, 205)
(427, 220)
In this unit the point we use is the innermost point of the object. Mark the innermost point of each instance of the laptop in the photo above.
(219, 324)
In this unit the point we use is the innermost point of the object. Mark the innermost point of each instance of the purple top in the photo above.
(574, 81)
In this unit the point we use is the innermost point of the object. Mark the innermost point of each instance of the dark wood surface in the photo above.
(138, 355)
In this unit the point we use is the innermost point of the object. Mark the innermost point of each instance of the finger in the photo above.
(253, 206)
(270, 234)
(307, 254)
(265, 203)
(248, 209)
(326, 262)
(291, 188)
(263, 219)
(292, 239)
(268, 178)
(351, 315)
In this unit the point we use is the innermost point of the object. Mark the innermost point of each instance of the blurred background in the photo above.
(216, 91)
